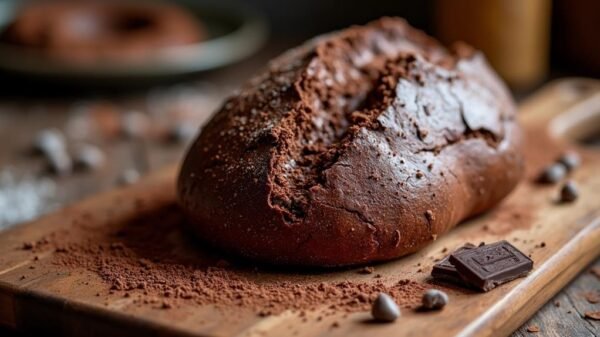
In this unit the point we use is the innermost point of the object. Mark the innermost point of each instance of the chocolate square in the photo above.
(488, 266)
(444, 270)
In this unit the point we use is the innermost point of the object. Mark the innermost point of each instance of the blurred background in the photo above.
(527, 42)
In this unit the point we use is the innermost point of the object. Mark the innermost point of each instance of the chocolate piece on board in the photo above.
(488, 266)
(444, 270)
(569, 193)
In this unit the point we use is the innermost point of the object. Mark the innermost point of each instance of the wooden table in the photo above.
(21, 117)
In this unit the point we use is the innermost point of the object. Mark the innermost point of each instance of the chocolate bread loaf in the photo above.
(358, 146)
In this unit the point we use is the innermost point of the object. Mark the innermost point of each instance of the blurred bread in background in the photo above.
(88, 31)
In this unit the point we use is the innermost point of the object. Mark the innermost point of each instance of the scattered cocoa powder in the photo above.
(509, 216)
(35, 246)
(513, 214)
(153, 260)
(537, 138)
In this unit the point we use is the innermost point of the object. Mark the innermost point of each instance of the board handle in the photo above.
(570, 107)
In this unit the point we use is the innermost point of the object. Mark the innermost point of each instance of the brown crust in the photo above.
(359, 146)
(96, 30)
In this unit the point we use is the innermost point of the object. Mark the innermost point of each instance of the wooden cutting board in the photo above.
(561, 238)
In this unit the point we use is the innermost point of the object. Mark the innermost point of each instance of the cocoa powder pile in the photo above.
(153, 260)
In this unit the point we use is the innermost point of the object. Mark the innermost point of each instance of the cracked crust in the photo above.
(359, 146)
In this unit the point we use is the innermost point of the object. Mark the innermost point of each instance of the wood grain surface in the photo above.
(564, 314)
(48, 297)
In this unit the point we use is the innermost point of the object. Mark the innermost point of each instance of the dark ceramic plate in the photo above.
(234, 33)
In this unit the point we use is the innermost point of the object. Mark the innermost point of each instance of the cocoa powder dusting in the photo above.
(510, 215)
(152, 259)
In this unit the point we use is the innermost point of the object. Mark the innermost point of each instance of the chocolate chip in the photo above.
(89, 157)
(49, 140)
(367, 270)
(51, 143)
(128, 177)
(570, 160)
(134, 124)
(569, 193)
(59, 161)
(182, 132)
(434, 299)
(384, 308)
(552, 174)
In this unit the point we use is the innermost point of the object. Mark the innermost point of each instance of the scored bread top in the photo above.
(359, 145)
